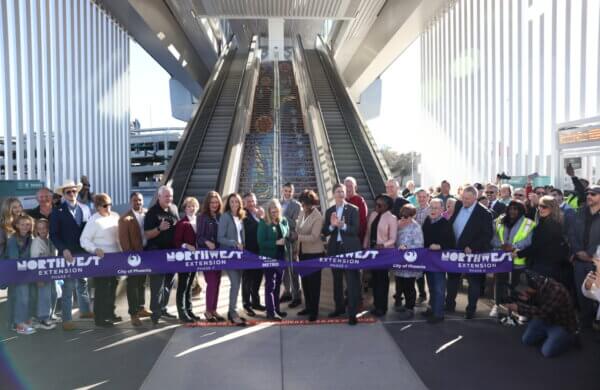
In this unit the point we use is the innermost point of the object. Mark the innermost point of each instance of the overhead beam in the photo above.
(153, 26)
(397, 26)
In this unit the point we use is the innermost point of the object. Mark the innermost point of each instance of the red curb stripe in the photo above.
(204, 324)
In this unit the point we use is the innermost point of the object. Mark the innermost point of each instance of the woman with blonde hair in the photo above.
(185, 237)
(10, 210)
(548, 250)
(230, 235)
(206, 238)
(272, 233)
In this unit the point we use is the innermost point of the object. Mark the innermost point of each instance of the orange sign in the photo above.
(578, 136)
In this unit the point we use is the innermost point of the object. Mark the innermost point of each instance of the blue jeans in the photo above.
(554, 339)
(21, 303)
(80, 285)
(437, 292)
(44, 301)
(587, 306)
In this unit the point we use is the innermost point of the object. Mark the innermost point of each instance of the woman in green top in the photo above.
(272, 233)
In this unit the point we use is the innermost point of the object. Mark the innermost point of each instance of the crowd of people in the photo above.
(554, 240)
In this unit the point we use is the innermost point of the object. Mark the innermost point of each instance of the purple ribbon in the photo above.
(177, 260)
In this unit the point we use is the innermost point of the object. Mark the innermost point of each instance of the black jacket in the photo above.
(548, 251)
(250, 232)
(349, 236)
(439, 232)
(498, 209)
(478, 231)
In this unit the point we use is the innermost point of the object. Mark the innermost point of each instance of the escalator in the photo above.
(297, 165)
(195, 167)
(257, 172)
(352, 150)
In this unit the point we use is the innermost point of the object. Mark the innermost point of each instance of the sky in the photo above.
(149, 98)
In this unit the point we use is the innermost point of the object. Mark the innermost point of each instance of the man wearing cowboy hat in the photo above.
(66, 224)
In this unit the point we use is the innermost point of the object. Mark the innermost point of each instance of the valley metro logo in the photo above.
(134, 260)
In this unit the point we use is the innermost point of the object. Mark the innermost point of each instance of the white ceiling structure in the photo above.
(365, 36)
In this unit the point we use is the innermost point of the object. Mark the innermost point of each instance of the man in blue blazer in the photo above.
(66, 224)
(473, 228)
(342, 226)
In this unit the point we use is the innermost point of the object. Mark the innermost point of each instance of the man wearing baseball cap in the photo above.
(66, 224)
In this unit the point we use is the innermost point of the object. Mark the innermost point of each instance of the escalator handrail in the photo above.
(221, 82)
(353, 110)
(226, 156)
(181, 144)
(307, 67)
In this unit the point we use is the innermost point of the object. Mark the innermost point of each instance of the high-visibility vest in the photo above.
(524, 231)
(573, 201)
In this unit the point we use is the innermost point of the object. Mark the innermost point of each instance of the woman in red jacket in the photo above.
(185, 237)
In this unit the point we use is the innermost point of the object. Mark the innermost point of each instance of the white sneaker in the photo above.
(25, 329)
(494, 311)
(46, 325)
(522, 319)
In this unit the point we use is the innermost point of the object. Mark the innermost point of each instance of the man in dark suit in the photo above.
(472, 225)
(496, 205)
(66, 224)
(291, 280)
(251, 278)
(342, 227)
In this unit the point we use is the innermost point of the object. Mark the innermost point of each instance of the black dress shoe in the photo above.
(154, 320)
(249, 311)
(281, 314)
(336, 313)
(427, 313)
(115, 318)
(312, 317)
(469, 315)
(377, 313)
(285, 298)
(304, 312)
(295, 303)
(185, 318)
(352, 320)
(193, 316)
(166, 314)
(274, 317)
(104, 324)
(449, 308)
(259, 307)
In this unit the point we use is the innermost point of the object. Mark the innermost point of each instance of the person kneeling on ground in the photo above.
(549, 305)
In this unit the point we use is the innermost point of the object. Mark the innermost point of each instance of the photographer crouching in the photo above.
(552, 316)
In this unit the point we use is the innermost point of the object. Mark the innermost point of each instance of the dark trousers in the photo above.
(380, 281)
(311, 286)
(135, 293)
(473, 292)
(407, 288)
(587, 307)
(421, 286)
(353, 285)
(503, 281)
(273, 278)
(437, 289)
(251, 280)
(160, 291)
(104, 298)
(183, 299)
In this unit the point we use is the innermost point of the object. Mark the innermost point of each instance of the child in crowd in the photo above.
(41, 246)
(19, 247)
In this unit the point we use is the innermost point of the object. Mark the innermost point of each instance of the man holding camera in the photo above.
(548, 304)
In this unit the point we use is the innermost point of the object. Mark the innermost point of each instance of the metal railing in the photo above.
(314, 124)
(343, 96)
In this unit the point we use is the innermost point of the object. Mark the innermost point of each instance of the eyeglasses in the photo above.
(543, 207)
(540, 193)
(68, 192)
(106, 205)
(490, 192)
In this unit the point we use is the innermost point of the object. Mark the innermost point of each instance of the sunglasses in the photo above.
(543, 207)
(540, 193)
(106, 205)
(592, 194)
(70, 192)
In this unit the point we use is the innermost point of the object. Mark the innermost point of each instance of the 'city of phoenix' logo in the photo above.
(134, 260)
(410, 256)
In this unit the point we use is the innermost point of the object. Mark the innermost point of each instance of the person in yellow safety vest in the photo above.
(512, 232)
